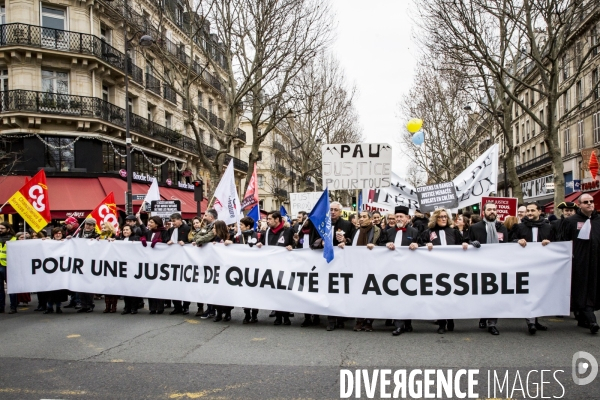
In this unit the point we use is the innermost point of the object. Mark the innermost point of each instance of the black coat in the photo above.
(182, 233)
(247, 237)
(432, 236)
(585, 285)
(420, 224)
(525, 228)
(164, 234)
(285, 234)
(477, 232)
(411, 235)
(347, 227)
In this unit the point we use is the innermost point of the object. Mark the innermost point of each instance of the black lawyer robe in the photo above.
(411, 235)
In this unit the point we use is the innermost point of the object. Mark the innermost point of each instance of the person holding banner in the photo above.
(70, 226)
(131, 302)
(533, 229)
(7, 234)
(107, 232)
(54, 297)
(367, 235)
(277, 235)
(179, 233)
(583, 229)
(250, 238)
(306, 235)
(489, 230)
(88, 232)
(439, 233)
(420, 221)
(221, 236)
(559, 226)
(155, 233)
(402, 235)
(131, 221)
(203, 235)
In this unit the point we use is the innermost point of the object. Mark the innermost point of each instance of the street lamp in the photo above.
(145, 41)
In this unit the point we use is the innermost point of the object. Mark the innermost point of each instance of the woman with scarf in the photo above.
(131, 303)
(439, 233)
(461, 224)
(154, 233)
(222, 236)
(250, 238)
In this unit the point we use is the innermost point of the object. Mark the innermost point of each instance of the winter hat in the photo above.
(90, 220)
(72, 221)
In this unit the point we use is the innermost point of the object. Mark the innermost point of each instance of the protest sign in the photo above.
(505, 206)
(356, 166)
(303, 202)
(447, 282)
(164, 208)
(439, 195)
(479, 179)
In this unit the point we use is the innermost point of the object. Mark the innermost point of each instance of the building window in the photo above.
(595, 76)
(565, 68)
(210, 105)
(142, 164)
(60, 153)
(261, 181)
(578, 54)
(596, 126)
(566, 102)
(200, 99)
(567, 139)
(149, 112)
(2, 14)
(517, 133)
(580, 135)
(105, 93)
(172, 173)
(55, 82)
(54, 18)
(105, 34)
(527, 129)
(111, 161)
(594, 40)
(169, 120)
(534, 152)
(179, 15)
(579, 94)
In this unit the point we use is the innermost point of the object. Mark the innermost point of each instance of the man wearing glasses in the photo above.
(584, 231)
(344, 231)
(488, 231)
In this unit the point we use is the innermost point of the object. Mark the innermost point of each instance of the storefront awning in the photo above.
(549, 208)
(79, 196)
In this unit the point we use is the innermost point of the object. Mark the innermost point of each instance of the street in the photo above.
(110, 356)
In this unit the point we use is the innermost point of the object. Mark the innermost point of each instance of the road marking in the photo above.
(73, 336)
(192, 321)
(556, 320)
(258, 339)
(117, 360)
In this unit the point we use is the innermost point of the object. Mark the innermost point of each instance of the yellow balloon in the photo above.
(414, 125)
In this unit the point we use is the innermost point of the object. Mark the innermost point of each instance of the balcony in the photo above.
(92, 107)
(537, 162)
(153, 84)
(241, 134)
(71, 42)
(281, 192)
(279, 146)
(280, 169)
(169, 94)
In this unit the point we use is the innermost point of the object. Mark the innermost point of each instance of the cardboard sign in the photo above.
(440, 195)
(303, 202)
(506, 206)
(357, 166)
(164, 208)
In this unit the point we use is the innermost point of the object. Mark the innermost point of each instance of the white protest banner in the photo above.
(538, 187)
(447, 282)
(356, 166)
(399, 193)
(479, 179)
(303, 202)
(227, 202)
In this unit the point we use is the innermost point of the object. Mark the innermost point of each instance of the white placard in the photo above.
(357, 166)
(303, 202)
(446, 282)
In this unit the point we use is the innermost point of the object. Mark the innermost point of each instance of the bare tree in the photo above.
(323, 113)
(529, 48)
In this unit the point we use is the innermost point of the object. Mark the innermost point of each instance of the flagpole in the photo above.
(5, 203)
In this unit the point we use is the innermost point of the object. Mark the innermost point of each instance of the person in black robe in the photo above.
(179, 233)
(533, 229)
(401, 235)
(559, 226)
(583, 229)
(488, 231)
(440, 233)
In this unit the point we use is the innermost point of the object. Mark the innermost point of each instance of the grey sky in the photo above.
(374, 46)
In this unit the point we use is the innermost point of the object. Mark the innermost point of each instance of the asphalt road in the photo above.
(110, 356)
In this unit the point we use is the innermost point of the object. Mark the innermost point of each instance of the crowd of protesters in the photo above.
(578, 223)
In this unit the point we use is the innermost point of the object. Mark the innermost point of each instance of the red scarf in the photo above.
(278, 228)
(400, 229)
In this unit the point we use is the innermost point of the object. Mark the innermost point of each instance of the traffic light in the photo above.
(198, 190)
(475, 208)
(354, 203)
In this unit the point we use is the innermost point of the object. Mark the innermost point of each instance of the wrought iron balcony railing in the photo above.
(72, 42)
(534, 163)
(241, 134)
(170, 94)
(153, 83)
(93, 107)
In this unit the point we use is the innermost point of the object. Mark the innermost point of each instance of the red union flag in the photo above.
(31, 202)
(106, 212)
(251, 196)
(505, 206)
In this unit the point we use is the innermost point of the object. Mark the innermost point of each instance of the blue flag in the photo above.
(283, 213)
(359, 205)
(255, 215)
(321, 218)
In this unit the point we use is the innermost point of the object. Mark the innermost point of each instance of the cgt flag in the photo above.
(106, 212)
(251, 196)
(321, 218)
(32, 203)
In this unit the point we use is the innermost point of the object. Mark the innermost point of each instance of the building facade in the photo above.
(63, 103)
